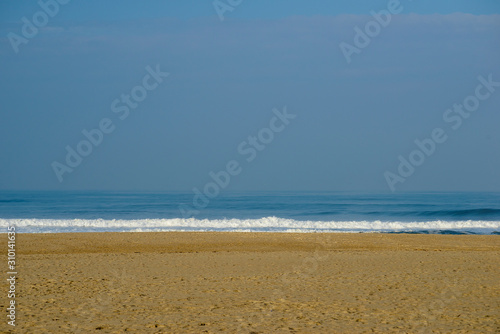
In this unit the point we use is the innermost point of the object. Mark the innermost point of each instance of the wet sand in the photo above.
(180, 282)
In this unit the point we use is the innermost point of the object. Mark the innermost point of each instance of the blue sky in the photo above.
(255, 9)
(353, 120)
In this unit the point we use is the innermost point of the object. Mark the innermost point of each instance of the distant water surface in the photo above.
(277, 211)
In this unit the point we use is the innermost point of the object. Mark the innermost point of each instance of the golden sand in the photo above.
(180, 282)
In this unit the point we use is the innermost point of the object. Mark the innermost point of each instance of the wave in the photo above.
(13, 200)
(466, 212)
(267, 224)
(462, 214)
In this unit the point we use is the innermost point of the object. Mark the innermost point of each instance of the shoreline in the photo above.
(127, 242)
(258, 225)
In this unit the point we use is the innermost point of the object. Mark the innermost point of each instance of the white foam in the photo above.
(267, 224)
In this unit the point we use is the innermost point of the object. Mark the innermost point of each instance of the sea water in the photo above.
(445, 213)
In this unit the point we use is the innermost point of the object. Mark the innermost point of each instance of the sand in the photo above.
(179, 282)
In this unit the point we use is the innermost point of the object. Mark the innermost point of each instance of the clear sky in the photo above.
(354, 121)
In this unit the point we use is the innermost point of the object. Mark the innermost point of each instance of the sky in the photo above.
(269, 95)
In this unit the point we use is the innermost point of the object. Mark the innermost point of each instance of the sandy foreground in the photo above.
(183, 282)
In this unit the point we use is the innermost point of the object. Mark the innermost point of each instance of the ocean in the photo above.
(442, 213)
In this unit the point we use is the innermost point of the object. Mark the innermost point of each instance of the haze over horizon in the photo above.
(350, 118)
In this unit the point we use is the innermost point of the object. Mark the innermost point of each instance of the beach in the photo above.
(228, 282)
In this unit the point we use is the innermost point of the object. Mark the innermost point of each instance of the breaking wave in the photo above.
(267, 224)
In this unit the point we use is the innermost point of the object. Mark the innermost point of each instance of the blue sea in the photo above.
(443, 213)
